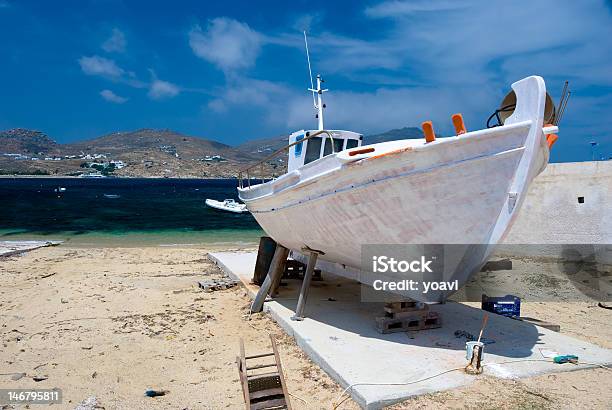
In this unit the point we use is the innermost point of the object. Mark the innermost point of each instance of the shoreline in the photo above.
(143, 239)
(17, 176)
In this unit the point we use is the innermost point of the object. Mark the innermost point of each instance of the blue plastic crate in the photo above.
(508, 305)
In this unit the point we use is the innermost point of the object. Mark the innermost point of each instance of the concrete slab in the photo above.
(8, 248)
(339, 335)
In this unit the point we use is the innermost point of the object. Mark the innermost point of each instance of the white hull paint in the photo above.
(458, 190)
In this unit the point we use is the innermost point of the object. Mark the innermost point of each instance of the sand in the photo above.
(110, 323)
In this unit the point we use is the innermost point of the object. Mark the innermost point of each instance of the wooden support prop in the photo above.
(312, 261)
(265, 252)
(276, 269)
(277, 278)
(458, 123)
(430, 135)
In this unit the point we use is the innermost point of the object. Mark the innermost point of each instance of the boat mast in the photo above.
(318, 103)
(319, 106)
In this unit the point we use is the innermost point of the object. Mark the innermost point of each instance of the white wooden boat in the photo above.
(228, 205)
(339, 195)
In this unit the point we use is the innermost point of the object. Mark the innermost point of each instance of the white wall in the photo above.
(551, 214)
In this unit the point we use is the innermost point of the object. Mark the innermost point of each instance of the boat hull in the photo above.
(461, 190)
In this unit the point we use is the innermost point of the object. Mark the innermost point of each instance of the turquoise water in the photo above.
(122, 212)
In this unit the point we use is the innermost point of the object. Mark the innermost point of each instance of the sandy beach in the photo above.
(111, 323)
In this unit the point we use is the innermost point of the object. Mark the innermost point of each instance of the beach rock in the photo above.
(212, 285)
(89, 403)
(155, 393)
(18, 376)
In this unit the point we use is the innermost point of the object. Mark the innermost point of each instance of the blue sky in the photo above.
(234, 71)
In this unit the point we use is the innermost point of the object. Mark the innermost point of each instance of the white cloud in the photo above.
(388, 108)
(110, 96)
(306, 22)
(160, 90)
(227, 43)
(116, 42)
(455, 43)
(251, 93)
(397, 8)
(107, 68)
(104, 67)
(100, 66)
(218, 105)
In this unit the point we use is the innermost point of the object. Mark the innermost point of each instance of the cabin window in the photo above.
(298, 147)
(351, 143)
(338, 142)
(581, 200)
(313, 150)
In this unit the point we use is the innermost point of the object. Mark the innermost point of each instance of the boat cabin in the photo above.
(319, 146)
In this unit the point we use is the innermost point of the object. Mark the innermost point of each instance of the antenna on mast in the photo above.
(314, 103)
(318, 102)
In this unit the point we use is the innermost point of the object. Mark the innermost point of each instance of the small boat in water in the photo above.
(92, 175)
(228, 205)
(112, 196)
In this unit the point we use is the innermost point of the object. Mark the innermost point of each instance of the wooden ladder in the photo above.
(263, 390)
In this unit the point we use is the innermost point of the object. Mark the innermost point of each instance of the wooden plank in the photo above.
(280, 271)
(243, 376)
(265, 253)
(275, 269)
(280, 372)
(270, 404)
(261, 366)
(266, 393)
(257, 356)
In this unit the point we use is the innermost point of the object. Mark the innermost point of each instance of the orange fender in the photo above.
(458, 123)
(430, 135)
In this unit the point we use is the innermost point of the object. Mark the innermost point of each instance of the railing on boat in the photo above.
(247, 170)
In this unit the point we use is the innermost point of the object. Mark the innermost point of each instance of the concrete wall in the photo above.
(552, 215)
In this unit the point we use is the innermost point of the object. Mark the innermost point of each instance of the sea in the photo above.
(122, 212)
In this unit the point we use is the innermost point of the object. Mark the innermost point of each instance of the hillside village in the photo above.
(145, 153)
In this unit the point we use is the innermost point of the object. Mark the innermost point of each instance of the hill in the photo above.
(152, 141)
(395, 134)
(264, 146)
(140, 153)
(22, 141)
(147, 153)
